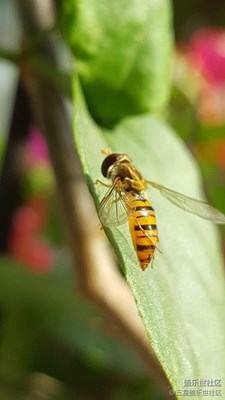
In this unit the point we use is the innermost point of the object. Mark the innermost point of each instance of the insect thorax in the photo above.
(129, 177)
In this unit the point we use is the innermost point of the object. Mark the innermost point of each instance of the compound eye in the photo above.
(109, 161)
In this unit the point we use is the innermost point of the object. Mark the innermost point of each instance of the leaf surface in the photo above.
(123, 54)
(181, 300)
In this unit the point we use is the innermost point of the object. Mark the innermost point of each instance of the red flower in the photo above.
(25, 244)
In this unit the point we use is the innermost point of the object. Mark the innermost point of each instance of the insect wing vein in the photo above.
(194, 206)
(115, 207)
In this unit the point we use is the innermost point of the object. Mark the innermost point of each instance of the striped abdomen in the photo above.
(143, 229)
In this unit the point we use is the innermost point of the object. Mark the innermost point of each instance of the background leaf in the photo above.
(122, 59)
(181, 300)
(44, 310)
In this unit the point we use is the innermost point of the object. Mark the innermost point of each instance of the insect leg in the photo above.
(98, 182)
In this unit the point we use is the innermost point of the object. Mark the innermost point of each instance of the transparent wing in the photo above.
(115, 207)
(200, 208)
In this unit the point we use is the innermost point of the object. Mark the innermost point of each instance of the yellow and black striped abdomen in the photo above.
(143, 229)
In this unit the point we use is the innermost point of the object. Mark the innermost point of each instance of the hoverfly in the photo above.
(126, 200)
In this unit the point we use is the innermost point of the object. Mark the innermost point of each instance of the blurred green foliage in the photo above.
(123, 54)
(46, 327)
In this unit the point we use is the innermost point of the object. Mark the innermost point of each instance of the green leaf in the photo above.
(181, 300)
(210, 132)
(34, 308)
(123, 52)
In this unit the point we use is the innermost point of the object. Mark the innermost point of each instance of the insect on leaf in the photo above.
(181, 300)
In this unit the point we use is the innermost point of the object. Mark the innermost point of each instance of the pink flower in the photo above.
(25, 244)
(37, 146)
(207, 52)
(206, 56)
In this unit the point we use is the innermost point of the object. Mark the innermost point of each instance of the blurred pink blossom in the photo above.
(206, 55)
(37, 146)
(207, 52)
(25, 244)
